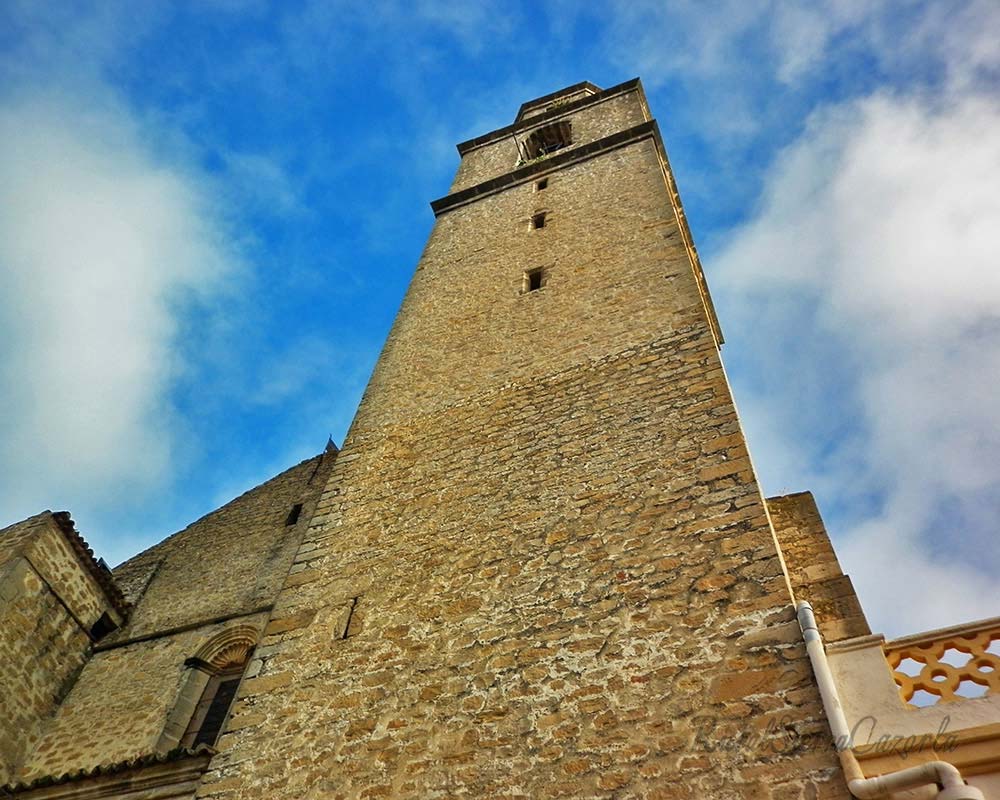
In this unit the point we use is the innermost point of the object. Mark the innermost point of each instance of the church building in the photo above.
(540, 565)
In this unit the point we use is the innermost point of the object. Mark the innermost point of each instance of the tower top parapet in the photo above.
(541, 104)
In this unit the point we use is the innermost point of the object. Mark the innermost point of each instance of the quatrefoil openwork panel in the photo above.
(945, 669)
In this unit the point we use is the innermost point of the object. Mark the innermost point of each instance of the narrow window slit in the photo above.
(350, 618)
(538, 220)
(293, 515)
(542, 184)
(533, 280)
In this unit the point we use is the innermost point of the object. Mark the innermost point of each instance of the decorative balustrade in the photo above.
(957, 663)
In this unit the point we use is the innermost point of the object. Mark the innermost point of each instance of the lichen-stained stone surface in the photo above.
(72, 704)
(49, 599)
(41, 648)
(119, 704)
(542, 566)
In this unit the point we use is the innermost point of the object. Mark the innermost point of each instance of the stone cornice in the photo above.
(190, 626)
(139, 778)
(560, 158)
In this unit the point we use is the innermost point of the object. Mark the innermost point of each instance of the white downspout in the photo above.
(941, 773)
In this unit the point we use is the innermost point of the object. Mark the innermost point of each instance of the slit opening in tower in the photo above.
(542, 184)
(534, 279)
(293, 515)
(538, 220)
(548, 139)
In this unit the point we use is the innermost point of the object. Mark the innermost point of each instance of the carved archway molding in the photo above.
(230, 648)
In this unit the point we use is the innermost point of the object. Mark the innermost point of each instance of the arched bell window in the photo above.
(212, 678)
(548, 139)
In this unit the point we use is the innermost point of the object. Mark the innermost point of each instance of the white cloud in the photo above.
(906, 586)
(867, 295)
(735, 42)
(102, 245)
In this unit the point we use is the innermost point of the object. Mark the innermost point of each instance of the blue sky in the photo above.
(210, 212)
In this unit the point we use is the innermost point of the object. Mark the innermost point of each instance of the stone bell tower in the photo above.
(541, 566)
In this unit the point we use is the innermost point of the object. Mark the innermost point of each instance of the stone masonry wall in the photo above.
(59, 566)
(616, 274)
(42, 647)
(542, 566)
(231, 561)
(562, 588)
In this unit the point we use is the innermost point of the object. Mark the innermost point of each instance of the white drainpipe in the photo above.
(941, 773)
